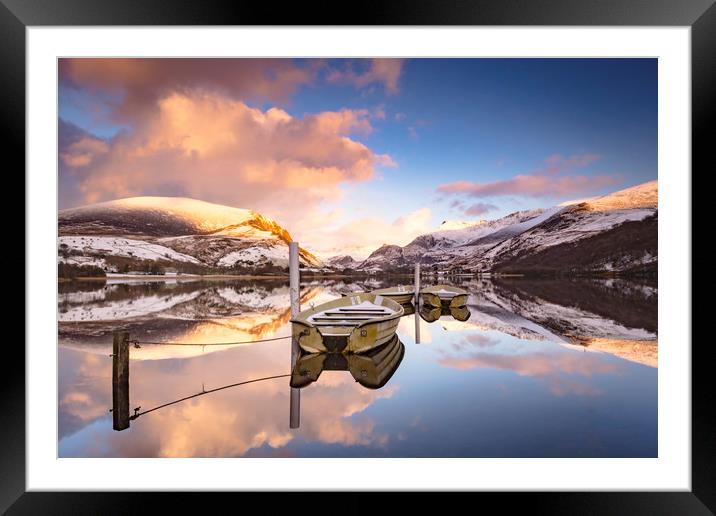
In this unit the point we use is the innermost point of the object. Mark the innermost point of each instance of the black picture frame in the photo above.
(700, 15)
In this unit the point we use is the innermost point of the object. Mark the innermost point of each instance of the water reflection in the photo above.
(571, 361)
(431, 314)
(372, 369)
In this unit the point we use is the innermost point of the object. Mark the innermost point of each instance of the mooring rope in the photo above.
(203, 392)
(136, 341)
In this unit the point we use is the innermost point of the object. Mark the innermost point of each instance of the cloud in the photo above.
(223, 151)
(360, 237)
(479, 208)
(138, 83)
(473, 210)
(543, 182)
(363, 72)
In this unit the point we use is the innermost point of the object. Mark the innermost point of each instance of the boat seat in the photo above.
(348, 309)
(337, 323)
(360, 312)
(350, 318)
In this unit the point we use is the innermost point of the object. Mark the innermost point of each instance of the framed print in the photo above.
(437, 247)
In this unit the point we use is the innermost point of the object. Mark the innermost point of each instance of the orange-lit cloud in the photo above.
(139, 82)
(361, 237)
(383, 71)
(544, 182)
(210, 147)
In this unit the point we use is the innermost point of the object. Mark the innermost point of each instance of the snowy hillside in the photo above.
(177, 232)
(491, 244)
(643, 196)
(342, 262)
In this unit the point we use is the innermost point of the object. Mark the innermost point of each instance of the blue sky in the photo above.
(455, 138)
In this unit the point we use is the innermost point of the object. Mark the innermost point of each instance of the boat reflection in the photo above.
(372, 370)
(431, 314)
(408, 308)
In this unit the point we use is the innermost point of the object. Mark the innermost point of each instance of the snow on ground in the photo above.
(582, 226)
(205, 215)
(83, 260)
(124, 247)
(645, 195)
(277, 255)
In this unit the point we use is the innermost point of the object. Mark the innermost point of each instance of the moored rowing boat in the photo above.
(354, 324)
(400, 294)
(439, 295)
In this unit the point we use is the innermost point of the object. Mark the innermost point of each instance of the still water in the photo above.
(537, 368)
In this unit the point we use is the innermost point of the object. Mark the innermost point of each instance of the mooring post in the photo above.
(417, 302)
(120, 381)
(417, 283)
(294, 289)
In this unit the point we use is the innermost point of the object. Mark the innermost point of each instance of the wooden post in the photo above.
(295, 294)
(120, 381)
(417, 302)
(417, 284)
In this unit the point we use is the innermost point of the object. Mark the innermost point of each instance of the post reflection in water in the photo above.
(295, 394)
(576, 362)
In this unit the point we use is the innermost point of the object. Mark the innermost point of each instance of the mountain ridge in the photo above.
(504, 244)
(182, 232)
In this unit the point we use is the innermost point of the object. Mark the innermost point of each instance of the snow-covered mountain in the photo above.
(623, 224)
(176, 231)
(342, 262)
(615, 232)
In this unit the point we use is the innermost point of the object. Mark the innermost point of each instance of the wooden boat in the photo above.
(372, 369)
(352, 324)
(439, 295)
(431, 313)
(400, 294)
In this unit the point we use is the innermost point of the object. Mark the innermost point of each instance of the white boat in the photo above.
(439, 295)
(353, 324)
(400, 294)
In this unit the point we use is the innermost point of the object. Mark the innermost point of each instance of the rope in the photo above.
(203, 392)
(135, 341)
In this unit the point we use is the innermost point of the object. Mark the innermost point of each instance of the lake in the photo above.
(534, 368)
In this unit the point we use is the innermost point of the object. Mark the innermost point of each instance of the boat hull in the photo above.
(401, 299)
(322, 338)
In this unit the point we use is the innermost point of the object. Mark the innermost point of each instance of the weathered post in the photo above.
(417, 302)
(120, 381)
(294, 290)
(417, 283)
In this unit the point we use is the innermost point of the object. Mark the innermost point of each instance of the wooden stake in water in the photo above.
(294, 292)
(417, 302)
(120, 381)
(417, 283)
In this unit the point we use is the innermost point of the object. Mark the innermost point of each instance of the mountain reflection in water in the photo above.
(573, 361)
